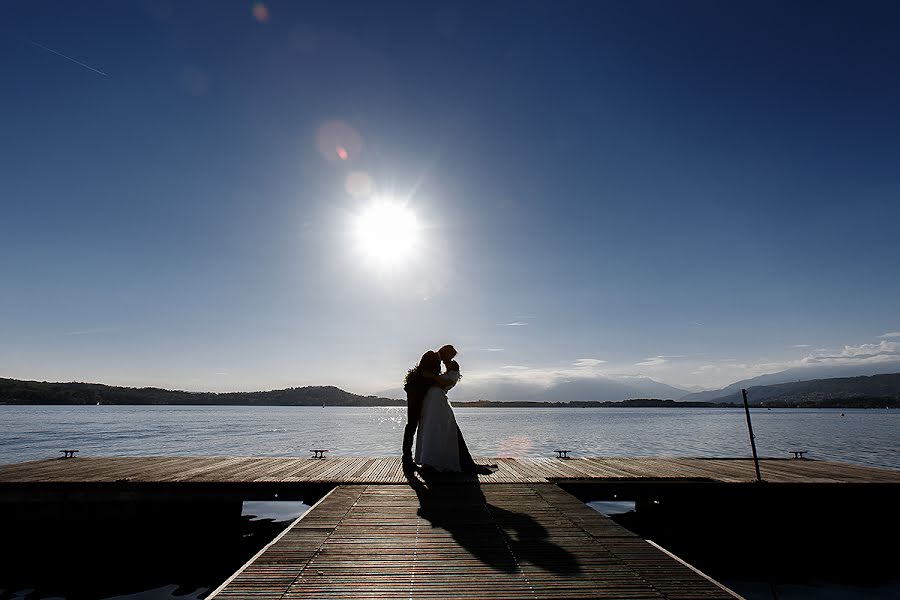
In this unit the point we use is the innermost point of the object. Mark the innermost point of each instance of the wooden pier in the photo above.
(462, 541)
(246, 472)
(523, 531)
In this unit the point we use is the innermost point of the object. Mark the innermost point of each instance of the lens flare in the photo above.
(337, 140)
(261, 12)
(515, 446)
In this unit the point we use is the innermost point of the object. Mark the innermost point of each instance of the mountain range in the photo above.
(599, 389)
(837, 391)
(613, 389)
(796, 374)
(799, 386)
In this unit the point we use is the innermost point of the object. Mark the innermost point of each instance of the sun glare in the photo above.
(387, 233)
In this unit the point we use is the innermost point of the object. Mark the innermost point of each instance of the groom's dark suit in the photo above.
(416, 387)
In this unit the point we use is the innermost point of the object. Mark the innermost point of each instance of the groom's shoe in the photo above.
(476, 469)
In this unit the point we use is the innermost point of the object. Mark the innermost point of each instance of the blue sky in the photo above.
(690, 191)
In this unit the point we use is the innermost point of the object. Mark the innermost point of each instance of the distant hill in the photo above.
(871, 391)
(574, 389)
(838, 391)
(631, 403)
(14, 391)
(805, 373)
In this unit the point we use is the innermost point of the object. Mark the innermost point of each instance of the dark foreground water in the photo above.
(179, 562)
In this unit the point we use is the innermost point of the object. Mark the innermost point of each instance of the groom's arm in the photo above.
(436, 380)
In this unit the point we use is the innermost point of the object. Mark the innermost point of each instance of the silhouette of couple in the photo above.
(440, 445)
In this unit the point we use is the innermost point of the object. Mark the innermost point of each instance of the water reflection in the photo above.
(279, 511)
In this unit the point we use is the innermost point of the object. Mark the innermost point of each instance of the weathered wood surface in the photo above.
(461, 541)
(384, 470)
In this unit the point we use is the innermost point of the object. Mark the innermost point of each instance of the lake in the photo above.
(868, 437)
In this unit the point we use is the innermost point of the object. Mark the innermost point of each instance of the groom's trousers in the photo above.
(413, 412)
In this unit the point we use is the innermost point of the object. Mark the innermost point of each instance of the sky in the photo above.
(695, 192)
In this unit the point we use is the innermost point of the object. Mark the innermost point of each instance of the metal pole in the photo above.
(752, 439)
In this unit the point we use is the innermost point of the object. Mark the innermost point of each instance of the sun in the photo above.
(387, 233)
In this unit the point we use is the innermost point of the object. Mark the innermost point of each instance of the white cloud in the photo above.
(683, 370)
(92, 331)
(653, 361)
(800, 346)
(588, 362)
(492, 349)
(871, 350)
(514, 324)
(889, 334)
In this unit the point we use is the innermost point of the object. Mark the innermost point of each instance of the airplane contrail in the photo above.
(79, 63)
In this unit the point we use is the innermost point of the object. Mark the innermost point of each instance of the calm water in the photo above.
(870, 437)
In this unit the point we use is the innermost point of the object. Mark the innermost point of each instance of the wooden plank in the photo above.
(269, 574)
(382, 470)
(461, 541)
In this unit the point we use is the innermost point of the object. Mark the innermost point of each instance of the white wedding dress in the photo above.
(437, 444)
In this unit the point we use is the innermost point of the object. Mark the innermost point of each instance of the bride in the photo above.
(437, 441)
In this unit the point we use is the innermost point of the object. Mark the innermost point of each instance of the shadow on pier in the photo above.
(498, 536)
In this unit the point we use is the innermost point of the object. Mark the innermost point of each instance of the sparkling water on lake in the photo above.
(868, 437)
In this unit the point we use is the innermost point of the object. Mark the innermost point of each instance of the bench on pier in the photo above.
(68, 453)
(562, 453)
(798, 453)
(318, 453)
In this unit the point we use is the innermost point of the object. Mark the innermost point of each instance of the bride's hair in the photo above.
(430, 363)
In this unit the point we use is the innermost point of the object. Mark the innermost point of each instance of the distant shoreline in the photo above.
(388, 403)
(40, 393)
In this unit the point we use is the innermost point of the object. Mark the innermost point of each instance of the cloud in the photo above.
(517, 381)
(890, 334)
(514, 324)
(800, 346)
(653, 361)
(92, 331)
(492, 349)
(588, 362)
(871, 350)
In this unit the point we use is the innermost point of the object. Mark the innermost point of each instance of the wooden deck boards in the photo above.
(511, 534)
(461, 541)
(386, 470)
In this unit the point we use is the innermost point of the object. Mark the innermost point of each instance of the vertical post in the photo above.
(752, 439)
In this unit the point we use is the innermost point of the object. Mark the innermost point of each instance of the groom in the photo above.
(416, 388)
